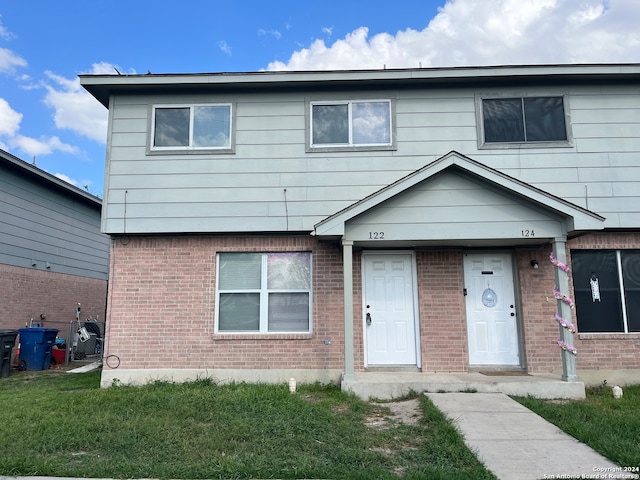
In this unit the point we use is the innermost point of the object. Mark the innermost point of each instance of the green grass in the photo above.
(608, 425)
(59, 424)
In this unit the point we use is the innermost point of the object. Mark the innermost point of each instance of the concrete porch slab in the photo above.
(390, 385)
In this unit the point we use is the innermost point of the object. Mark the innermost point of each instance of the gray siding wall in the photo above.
(452, 206)
(42, 227)
(271, 183)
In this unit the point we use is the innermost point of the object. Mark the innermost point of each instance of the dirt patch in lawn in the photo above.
(385, 415)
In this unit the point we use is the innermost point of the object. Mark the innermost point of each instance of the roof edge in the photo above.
(101, 86)
(45, 176)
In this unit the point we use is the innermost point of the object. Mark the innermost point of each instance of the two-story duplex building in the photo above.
(328, 225)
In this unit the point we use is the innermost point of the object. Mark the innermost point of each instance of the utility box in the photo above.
(35, 347)
(7, 341)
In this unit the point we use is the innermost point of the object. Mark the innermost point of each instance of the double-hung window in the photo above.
(524, 120)
(607, 290)
(191, 127)
(264, 292)
(354, 123)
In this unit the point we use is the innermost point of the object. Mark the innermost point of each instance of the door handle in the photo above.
(513, 314)
(368, 317)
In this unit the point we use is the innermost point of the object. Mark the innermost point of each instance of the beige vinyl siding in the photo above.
(245, 190)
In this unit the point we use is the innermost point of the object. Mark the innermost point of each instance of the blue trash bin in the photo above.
(7, 341)
(35, 347)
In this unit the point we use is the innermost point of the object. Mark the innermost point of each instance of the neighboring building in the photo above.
(52, 254)
(323, 225)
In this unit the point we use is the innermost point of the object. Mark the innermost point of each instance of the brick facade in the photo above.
(595, 351)
(538, 307)
(26, 293)
(443, 329)
(162, 309)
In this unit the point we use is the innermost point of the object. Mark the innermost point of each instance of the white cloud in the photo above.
(106, 68)
(4, 32)
(327, 30)
(74, 108)
(9, 119)
(272, 33)
(491, 32)
(9, 61)
(224, 47)
(10, 138)
(42, 146)
(67, 179)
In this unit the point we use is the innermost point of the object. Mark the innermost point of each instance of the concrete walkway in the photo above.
(517, 444)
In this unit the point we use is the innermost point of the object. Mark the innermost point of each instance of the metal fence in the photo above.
(79, 339)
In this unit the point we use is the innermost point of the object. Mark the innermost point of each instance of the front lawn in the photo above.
(59, 424)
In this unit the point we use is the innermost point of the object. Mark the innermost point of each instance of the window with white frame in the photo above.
(523, 120)
(264, 292)
(351, 123)
(607, 290)
(180, 127)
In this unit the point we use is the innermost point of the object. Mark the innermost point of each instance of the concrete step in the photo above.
(390, 385)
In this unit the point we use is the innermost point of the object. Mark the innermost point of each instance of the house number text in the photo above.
(528, 233)
(376, 235)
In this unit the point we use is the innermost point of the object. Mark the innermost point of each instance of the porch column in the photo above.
(562, 281)
(347, 267)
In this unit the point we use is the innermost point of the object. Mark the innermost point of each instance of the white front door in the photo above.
(389, 307)
(491, 314)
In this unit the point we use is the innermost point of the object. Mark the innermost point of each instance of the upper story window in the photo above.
(191, 127)
(524, 120)
(264, 292)
(351, 124)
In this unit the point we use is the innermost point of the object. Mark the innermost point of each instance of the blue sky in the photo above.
(44, 45)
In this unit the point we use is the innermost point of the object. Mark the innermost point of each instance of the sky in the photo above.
(46, 117)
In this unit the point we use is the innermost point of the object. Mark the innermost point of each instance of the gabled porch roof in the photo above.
(456, 200)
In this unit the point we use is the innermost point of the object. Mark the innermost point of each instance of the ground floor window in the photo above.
(607, 290)
(264, 292)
